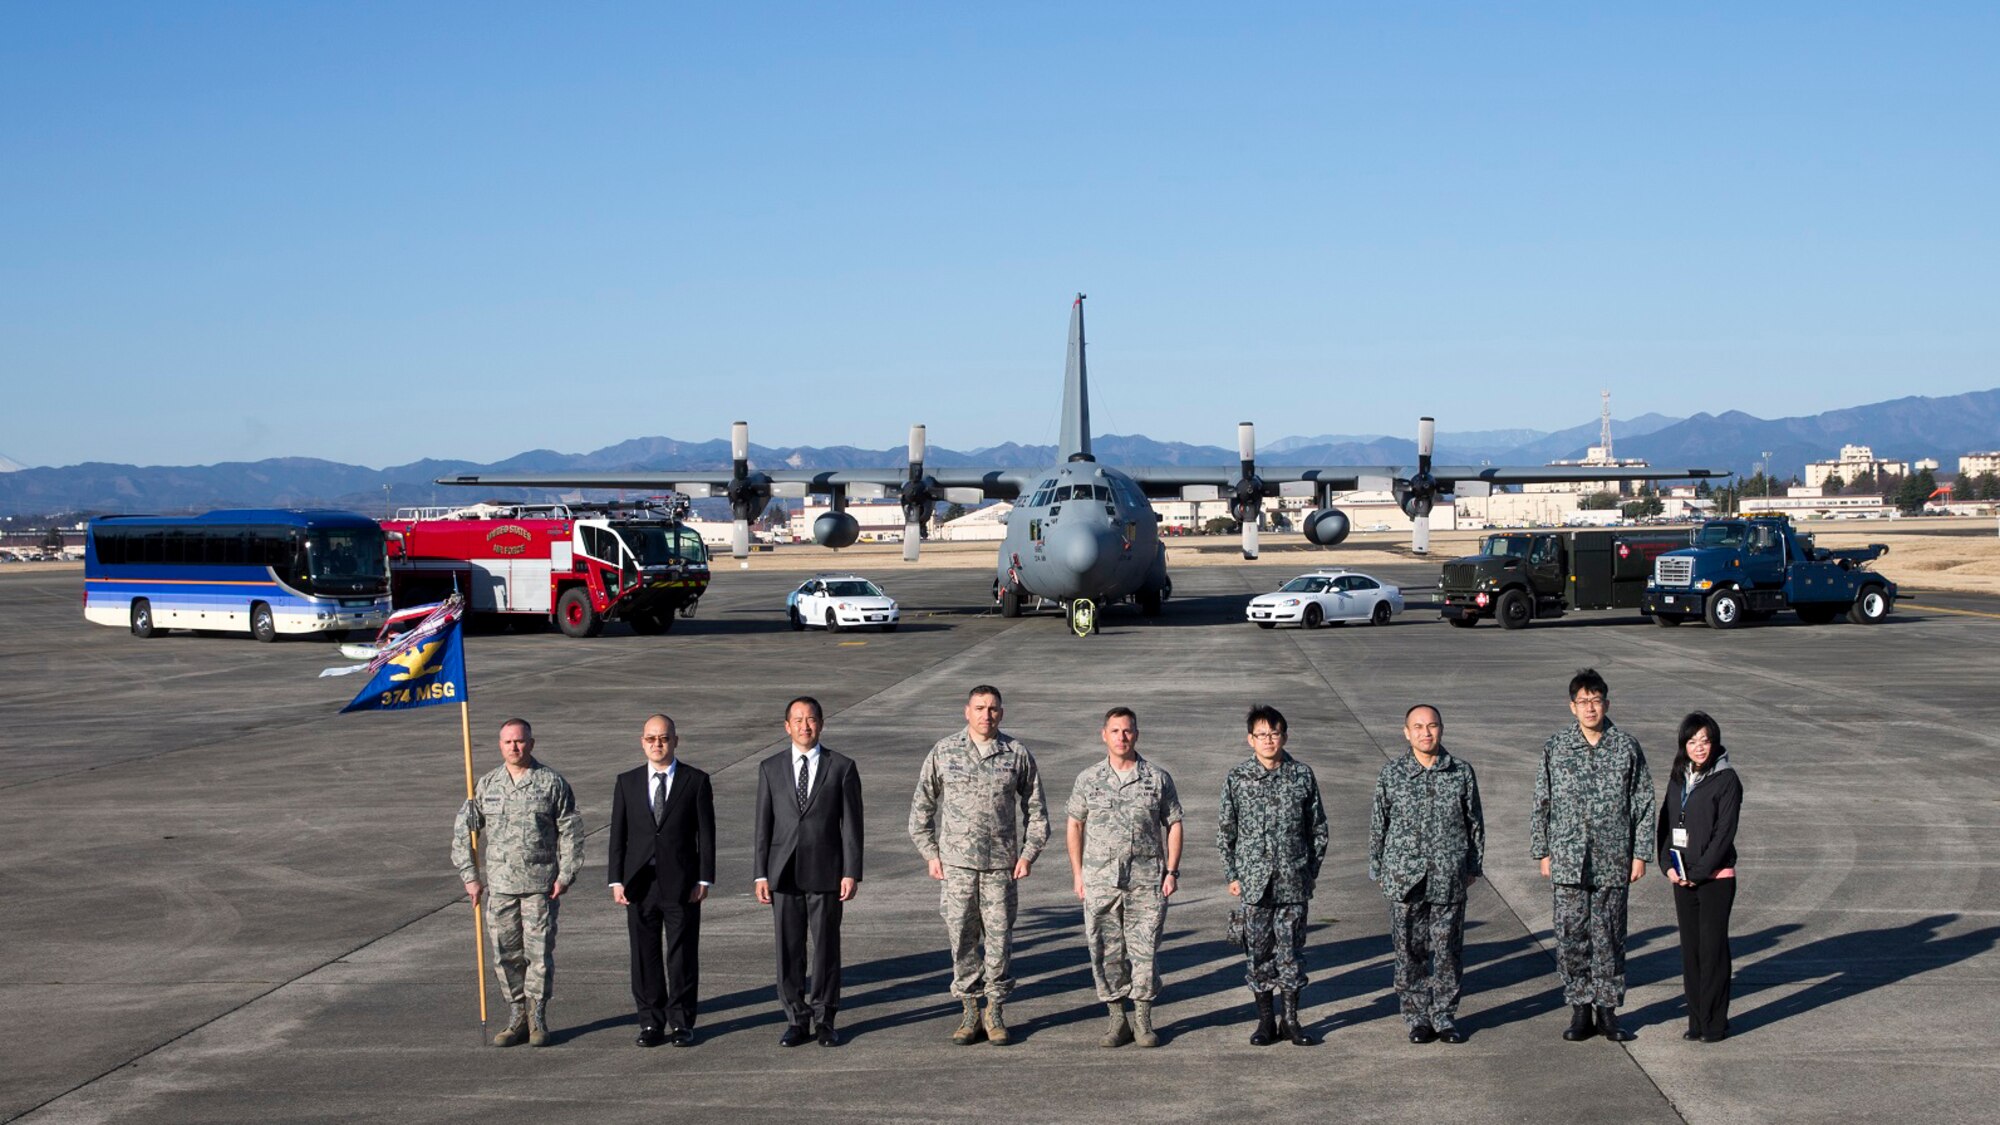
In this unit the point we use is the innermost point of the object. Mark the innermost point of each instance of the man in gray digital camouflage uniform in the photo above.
(1271, 830)
(1592, 823)
(1426, 846)
(980, 819)
(1124, 859)
(531, 845)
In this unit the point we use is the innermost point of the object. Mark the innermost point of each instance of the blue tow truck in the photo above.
(1738, 570)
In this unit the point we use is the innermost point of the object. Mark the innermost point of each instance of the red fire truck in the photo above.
(580, 565)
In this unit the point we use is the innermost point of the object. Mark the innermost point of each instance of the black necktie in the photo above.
(660, 799)
(805, 769)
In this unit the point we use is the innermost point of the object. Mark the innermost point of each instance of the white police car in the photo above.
(1326, 596)
(841, 601)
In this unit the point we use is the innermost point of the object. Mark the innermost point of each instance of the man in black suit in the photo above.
(662, 863)
(807, 864)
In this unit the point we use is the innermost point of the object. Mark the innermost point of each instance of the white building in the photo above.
(1854, 462)
(1973, 464)
(880, 522)
(983, 524)
(1596, 458)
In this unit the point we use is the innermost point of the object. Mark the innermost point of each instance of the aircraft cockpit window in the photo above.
(1063, 493)
(1102, 491)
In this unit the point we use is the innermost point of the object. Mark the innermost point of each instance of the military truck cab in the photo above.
(1521, 576)
(1739, 570)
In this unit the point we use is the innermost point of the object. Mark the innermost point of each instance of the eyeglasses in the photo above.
(1267, 735)
(656, 739)
(1588, 701)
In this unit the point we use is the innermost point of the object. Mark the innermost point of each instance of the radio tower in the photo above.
(1604, 437)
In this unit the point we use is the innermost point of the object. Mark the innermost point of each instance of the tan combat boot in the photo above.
(516, 1030)
(996, 1025)
(1142, 1024)
(969, 1031)
(1116, 1034)
(538, 1024)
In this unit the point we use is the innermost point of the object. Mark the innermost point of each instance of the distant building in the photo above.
(987, 523)
(1597, 457)
(1854, 462)
(1973, 464)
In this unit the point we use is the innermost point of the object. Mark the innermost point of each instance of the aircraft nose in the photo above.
(1083, 550)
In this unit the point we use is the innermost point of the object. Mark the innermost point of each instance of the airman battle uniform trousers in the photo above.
(979, 908)
(523, 929)
(1122, 928)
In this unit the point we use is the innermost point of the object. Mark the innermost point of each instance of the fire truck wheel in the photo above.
(647, 624)
(263, 626)
(575, 616)
(832, 622)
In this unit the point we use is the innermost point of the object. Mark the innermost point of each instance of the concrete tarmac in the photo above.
(227, 903)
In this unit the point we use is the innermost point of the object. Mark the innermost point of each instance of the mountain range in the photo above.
(1904, 428)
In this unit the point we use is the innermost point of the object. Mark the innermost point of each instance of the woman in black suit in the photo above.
(1697, 845)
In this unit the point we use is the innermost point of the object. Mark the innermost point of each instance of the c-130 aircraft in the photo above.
(1082, 534)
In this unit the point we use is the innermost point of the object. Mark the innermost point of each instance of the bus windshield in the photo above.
(661, 546)
(350, 559)
(1497, 545)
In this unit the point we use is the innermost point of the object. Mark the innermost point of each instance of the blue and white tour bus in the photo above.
(263, 571)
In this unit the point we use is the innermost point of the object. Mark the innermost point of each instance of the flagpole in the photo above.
(478, 911)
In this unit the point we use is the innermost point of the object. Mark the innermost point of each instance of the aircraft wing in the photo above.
(992, 484)
(1168, 482)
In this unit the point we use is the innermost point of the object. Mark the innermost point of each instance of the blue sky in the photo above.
(378, 233)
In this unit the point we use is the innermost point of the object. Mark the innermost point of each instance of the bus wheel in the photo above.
(575, 615)
(142, 619)
(263, 626)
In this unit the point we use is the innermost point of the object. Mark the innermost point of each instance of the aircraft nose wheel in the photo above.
(1083, 617)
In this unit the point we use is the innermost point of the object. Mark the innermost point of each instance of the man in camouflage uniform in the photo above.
(1593, 821)
(980, 820)
(531, 844)
(1271, 831)
(1426, 845)
(1124, 859)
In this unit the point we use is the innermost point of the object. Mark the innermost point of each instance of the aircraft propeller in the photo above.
(749, 493)
(1246, 503)
(1417, 493)
(918, 495)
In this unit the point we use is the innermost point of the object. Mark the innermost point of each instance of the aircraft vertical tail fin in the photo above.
(1076, 392)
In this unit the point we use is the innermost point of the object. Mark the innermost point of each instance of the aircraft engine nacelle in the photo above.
(836, 529)
(1327, 526)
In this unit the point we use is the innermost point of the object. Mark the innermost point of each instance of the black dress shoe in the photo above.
(1714, 1036)
(1690, 1034)
(1581, 1024)
(829, 1036)
(681, 1037)
(794, 1035)
(650, 1036)
(1422, 1033)
(1451, 1035)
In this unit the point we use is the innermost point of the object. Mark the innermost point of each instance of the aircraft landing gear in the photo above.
(1083, 617)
